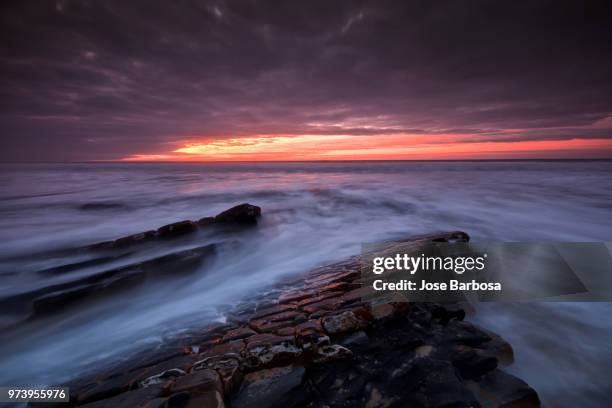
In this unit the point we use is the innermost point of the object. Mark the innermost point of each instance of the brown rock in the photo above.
(345, 322)
(296, 295)
(231, 348)
(272, 310)
(265, 326)
(357, 294)
(268, 350)
(382, 311)
(318, 298)
(310, 334)
(286, 331)
(161, 378)
(198, 381)
(237, 334)
(228, 368)
(324, 305)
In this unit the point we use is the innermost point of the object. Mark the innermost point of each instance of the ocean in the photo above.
(313, 213)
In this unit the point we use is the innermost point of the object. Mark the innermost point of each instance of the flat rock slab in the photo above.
(314, 341)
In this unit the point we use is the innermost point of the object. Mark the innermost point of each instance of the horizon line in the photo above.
(302, 161)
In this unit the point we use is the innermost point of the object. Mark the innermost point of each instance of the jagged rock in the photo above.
(240, 214)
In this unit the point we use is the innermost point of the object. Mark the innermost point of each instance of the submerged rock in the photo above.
(240, 214)
(177, 228)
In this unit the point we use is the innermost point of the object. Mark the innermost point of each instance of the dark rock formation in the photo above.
(53, 298)
(177, 228)
(314, 341)
(242, 214)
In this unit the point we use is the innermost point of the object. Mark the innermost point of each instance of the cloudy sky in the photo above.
(290, 80)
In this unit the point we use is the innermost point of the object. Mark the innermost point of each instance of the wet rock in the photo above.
(232, 348)
(240, 214)
(238, 334)
(66, 268)
(267, 350)
(466, 334)
(272, 310)
(472, 363)
(446, 313)
(342, 323)
(272, 388)
(311, 334)
(114, 385)
(197, 381)
(162, 377)
(497, 347)
(228, 368)
(331, 352)
(135, 239)
(201, 388)
(382, 311)
(500, 389)
(358, 339)
(206, 221)
(54, 298)
(177, 228)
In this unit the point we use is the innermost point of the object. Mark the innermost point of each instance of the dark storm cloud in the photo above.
(102, 80)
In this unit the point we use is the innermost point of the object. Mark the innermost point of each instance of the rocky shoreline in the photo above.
(316, 341)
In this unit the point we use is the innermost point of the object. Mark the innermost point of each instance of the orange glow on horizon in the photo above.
(378, 147)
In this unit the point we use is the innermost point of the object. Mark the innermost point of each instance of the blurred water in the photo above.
(313, 213)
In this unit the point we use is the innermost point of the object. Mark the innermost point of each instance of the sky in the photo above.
(304, 80)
